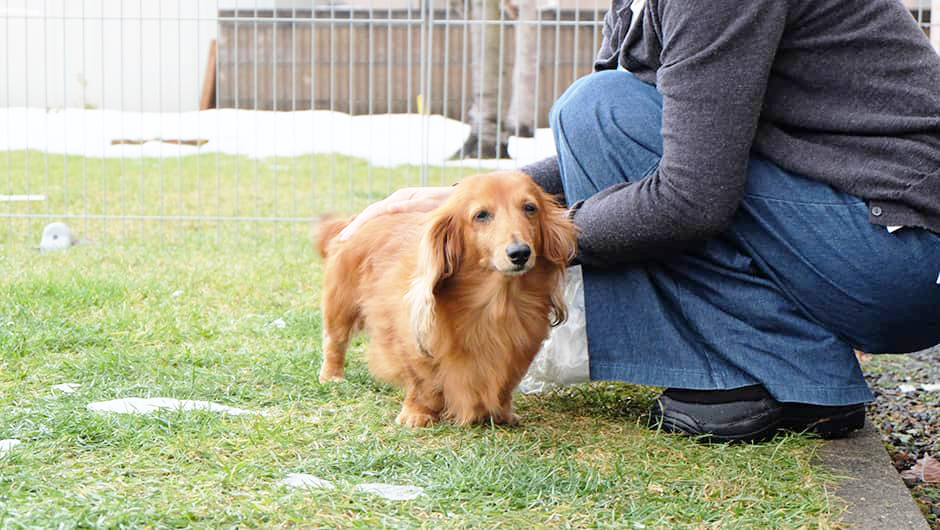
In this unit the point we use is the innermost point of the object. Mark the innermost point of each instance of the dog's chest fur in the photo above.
(499, 329)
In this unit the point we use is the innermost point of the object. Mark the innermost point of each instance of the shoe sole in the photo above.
(760, 429)
(833, 426)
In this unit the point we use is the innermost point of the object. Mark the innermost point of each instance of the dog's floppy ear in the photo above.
(438, 259)
(440, 248)
(559, 245)
(559, 235)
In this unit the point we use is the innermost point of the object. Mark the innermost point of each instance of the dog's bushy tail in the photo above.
(326, 230)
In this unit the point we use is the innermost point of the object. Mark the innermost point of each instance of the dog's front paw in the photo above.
(511, 419)
(331, 376)
(413, 419)
(505, 415)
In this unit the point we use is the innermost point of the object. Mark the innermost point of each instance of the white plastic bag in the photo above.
(563, 359)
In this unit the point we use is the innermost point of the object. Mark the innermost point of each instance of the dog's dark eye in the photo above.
(529, 208)
(482, 216)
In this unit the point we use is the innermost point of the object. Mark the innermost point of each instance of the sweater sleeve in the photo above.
(547, 175)
(715, 61)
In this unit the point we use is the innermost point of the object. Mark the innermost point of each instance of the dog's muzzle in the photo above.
(518, 254)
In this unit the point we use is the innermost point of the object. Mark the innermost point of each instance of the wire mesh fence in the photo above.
(130, 118)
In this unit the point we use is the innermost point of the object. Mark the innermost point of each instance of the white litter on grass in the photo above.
(148, 405)
(176, 293)
(914, 388)
(8, 444)
(278, 323)
(385, 140)
(22, 198)
(66, 388)
(56, 236)
(303, 480)
(392, 492)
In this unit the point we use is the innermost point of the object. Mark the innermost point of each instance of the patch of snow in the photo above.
(392, 492)
(385, 140)
(22, 198)
(303, 480)
(147, 405)
(8, 444)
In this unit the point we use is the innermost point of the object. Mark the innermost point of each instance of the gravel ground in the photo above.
(908, 415)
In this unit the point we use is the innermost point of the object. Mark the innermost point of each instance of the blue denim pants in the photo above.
(780, 298)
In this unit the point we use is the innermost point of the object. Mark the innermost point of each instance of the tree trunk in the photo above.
(520, 120)
(485, 140)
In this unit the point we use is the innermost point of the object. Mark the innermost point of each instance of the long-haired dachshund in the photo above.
(456, 301)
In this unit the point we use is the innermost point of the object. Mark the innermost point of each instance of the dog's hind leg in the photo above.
(334, 359)
(340, 316)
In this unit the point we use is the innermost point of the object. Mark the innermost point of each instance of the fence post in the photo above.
(427, 43)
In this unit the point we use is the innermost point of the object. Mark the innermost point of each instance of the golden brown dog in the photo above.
(456, 301)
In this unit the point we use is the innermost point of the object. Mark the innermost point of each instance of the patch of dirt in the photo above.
(906, 411)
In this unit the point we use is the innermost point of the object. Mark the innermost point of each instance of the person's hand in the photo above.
(422, 199)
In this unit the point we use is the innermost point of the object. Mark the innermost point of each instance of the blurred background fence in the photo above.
(362, 61)
(126, 117)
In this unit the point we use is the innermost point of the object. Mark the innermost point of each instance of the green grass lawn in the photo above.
(141, 198)
(190, 315)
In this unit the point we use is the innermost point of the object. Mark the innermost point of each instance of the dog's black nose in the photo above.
(518, 253)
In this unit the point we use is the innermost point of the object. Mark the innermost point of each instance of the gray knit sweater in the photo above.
(843, 91)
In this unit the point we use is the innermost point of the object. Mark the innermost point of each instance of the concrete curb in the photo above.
(869, 486)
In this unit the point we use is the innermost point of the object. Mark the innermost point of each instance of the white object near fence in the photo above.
(127, 80)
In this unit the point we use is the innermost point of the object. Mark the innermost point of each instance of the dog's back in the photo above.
(364, 279)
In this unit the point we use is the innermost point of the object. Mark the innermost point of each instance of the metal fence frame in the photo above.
(435, 28)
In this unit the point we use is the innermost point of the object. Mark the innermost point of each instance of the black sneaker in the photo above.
(823, 421)
(747, 414)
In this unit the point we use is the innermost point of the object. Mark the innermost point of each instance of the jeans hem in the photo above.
(783, 391)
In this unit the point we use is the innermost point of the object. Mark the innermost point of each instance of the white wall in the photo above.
(133, 55)
(935, 24)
